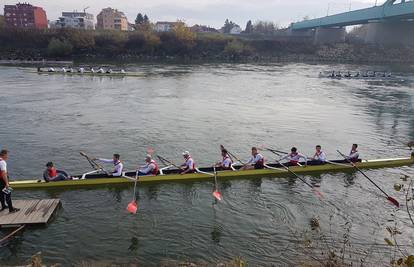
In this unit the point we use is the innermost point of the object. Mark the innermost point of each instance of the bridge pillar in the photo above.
(329, 35)
(390, 32)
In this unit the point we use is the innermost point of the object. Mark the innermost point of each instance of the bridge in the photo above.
(392, 13)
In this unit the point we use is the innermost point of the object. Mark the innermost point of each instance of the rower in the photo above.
(109, 71)
(101, 70)
(51, 69)
(150, 168)
(294, 156)
(70, 69)
(81, 70)
(63, 69)
(319, 155)
(189, 165)
(93, 70)
(119, 166)
(353, 155)
(51, 174)
(226, 163)
(123, 71)
(255, 162)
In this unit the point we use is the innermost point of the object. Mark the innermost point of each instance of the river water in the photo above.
(173, 108)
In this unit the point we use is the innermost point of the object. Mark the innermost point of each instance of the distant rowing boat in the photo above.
(361, 77)
(169, 175)
(88, 73)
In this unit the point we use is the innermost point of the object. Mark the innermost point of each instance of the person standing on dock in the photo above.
(119, 166)
(5, 193)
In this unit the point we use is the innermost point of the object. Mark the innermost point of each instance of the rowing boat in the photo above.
(365, 78)
(169, 175)
(95, 74)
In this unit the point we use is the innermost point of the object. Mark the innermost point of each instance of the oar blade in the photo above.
(394, 201)
(318, 193)
(218, 195)
(132, 207)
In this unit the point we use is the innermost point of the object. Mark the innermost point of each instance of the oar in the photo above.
(133, 205)
(232, 155)
(91, 162)
(168, 161)
(216, 193)
(95, 164)
(317, 192)
(391, 199)
(275, 151)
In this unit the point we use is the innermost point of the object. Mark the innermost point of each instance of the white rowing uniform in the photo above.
(226, 162)
(3, 165)
(321, 156)
(101, 70)
(119, 166)
(63, 69)
(189, 164)
(92, 70)
(51, 69)
(255, 159)
(123, 71)
(295, 157)
(353, 155)
(81, 70)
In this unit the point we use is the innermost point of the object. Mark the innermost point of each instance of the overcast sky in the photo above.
(207, 12)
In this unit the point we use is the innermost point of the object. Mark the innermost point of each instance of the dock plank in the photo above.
(31, 212)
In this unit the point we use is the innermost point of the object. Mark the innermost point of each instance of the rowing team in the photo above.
(81, 70)
(256, 161)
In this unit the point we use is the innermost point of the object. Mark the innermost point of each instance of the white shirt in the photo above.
(189, 163)
(295, 157)
(353, 154)
(255, 159)
(119, 166)
(101, 70)
(321, 156)
(3, 165)
(226, 163)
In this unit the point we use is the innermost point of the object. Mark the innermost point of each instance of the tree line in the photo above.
(180, 42)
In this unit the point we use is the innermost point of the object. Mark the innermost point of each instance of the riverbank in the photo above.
(85, 46)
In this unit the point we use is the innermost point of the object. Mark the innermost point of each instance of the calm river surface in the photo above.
(173, 108)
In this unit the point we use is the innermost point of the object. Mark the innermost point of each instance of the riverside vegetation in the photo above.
(181, 43)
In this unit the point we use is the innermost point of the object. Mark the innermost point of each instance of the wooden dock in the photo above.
(32, 212)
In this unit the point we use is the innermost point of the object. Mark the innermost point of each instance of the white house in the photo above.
(235, 30)
(164, 26)
(77, 20)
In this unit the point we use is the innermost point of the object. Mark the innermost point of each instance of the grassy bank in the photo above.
(182, 44)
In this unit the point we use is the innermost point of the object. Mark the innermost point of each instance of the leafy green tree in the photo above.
(139, 20)
(249, 27)
(146, 19)
(264, 27)
(184, 34)
(59, 48)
